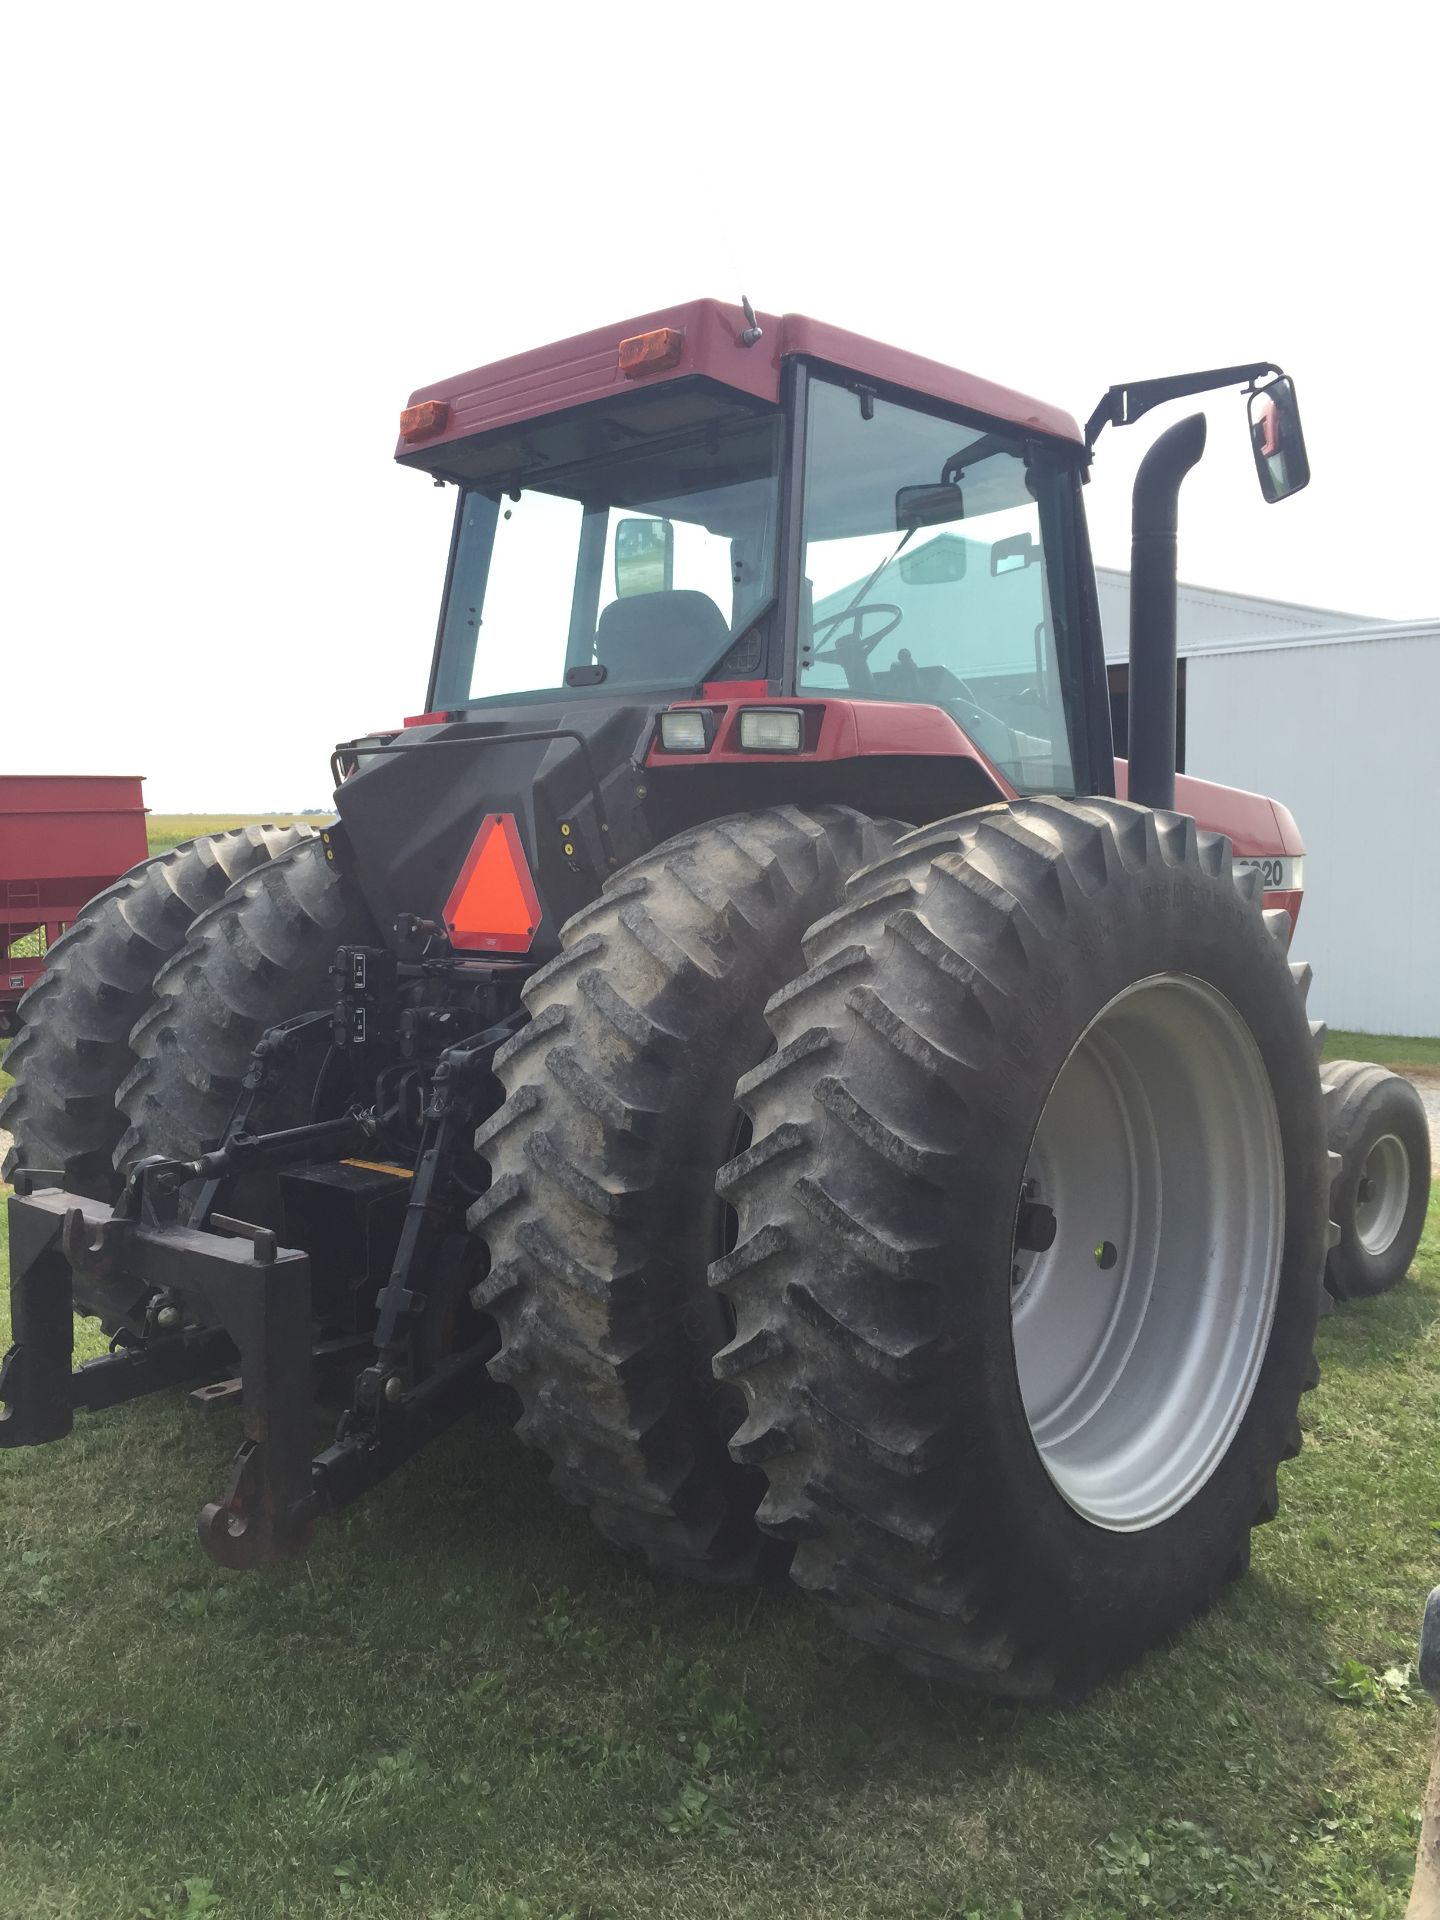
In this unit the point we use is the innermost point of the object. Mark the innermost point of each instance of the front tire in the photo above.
(1380, 1130)
(1031, 1235)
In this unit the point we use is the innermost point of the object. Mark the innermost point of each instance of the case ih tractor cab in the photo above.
(740, 1015)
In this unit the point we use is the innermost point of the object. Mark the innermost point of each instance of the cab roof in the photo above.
(586, 368)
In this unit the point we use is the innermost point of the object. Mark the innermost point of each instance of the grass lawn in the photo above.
(1400, 1051)
(462, 1703)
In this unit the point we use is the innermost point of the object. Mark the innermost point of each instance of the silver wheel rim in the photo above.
(1385, 1187)
(1139, 1333)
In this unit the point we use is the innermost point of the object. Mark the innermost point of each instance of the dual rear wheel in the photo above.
(996, 1330)
(1012, 1317)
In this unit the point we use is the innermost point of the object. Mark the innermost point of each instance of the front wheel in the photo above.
(1380, 1130)
(1031, 1235)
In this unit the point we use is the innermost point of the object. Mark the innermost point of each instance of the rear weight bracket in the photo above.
(267, 1312)
(249, 1296)
(35, 1404)
(39, 1394)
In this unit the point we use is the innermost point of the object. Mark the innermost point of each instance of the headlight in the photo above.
(771, 730)
(686, 731)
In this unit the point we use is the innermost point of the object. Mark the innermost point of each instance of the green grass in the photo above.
(1398, 1050)
(460, 1702)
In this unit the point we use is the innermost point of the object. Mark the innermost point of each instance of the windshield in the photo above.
(642, 567)
(936, 570)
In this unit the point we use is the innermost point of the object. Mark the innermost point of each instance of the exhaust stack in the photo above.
(1154, 514)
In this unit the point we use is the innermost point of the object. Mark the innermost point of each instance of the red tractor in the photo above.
(741, 1014)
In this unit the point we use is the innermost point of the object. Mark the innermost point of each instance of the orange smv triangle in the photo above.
(494, 907)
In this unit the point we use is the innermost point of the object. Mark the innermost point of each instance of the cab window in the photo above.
(928, 576)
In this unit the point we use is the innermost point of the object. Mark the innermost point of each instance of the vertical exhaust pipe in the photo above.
(1154, 513)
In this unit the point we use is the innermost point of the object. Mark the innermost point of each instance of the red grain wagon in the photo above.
(63, 839)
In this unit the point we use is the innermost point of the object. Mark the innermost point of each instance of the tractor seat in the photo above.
(665, 638)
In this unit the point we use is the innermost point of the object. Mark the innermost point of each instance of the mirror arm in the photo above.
(1126, 403)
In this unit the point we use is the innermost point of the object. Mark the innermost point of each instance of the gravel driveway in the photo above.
(1427, 1084)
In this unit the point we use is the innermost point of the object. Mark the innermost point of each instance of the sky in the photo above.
(239, 238)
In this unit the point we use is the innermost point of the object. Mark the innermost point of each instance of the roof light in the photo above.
(427, 417)
(493, 907)
(686, 731)
(771, 729)
(651, 352)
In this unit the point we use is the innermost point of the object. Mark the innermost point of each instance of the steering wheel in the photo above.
(857, 645)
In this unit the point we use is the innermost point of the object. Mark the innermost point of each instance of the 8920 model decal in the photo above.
(1279, 873)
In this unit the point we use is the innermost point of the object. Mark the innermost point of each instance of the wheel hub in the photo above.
(1141, 1322)
(1382, 1194)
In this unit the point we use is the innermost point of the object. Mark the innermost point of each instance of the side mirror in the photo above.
(1278, 440)
(932, 506)
(644, 557)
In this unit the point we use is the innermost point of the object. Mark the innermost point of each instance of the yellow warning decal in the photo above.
(381, 1166)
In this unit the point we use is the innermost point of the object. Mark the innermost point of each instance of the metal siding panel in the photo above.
(1343, 734)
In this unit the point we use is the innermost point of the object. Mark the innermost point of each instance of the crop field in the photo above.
(169, 829)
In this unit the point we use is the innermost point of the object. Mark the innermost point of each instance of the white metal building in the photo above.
(1337, 717)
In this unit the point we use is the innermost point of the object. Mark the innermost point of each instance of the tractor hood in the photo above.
(415, 804)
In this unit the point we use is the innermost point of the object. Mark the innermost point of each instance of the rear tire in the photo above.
(601, 1217)
(1078, 994)
(1379, 1128)
(262, 955)
(74, 1048)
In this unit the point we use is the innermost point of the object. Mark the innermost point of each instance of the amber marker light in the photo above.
(427, 417)
(651, 352)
